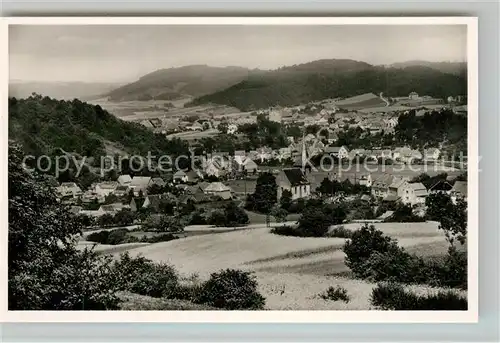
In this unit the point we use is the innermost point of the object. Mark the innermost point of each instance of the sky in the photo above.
(124, 53)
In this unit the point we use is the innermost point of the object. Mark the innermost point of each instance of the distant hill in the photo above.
(175, 83)
(42, 124)
(60, 90)
(455, 68)
(317, 80)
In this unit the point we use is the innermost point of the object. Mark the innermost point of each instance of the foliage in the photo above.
(335, 294)
(279, 214)
(165, 237)
(393, 296)
(286, 200)
(124, 217)
(232, 290)
(230, 215)
(317, 218)
(112, 237)
(46, 271)
(142, 276)
(340, 232)
(320, 79)
(286, 230)
(162, 223)
(106, 220)
(452, 216)
(265, 195)
(404, 214)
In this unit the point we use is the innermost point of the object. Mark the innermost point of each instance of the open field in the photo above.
(291, 271)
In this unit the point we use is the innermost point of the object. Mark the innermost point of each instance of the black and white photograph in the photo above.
(242, 166)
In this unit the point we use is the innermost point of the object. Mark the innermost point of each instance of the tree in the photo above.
(286, 199)
(106, 220)
(124, 217)
(162, 223)
(234, 215)
(279, 214)
(452, 216)
(46, 271)
(266, 193)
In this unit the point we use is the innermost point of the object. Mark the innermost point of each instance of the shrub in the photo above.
(286, 230)
(162, 223)
(159, 238)
(394, 297)
(336, 293)
(142, 276)
(362, 244)
(340, 232)
(216, 218)
(232, 290)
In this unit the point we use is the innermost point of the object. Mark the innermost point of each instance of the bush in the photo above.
(160, 238)
(336, 293)
(216, 218)
(232, 290)
(394, 297)
(286, 230)
(142, 276)
(340, 232)
(162, 223)
(362, 244)
(112, 237)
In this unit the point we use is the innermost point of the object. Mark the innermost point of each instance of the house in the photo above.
(69, 189)
(275, 116)
(140, 184)
(396, 187)
(121, 191)
(193, 176)
(380, 185)
(105, 188)
(218, 189)
(402, 154)
(232, 129)
(246, 164)
(442, 186)
(460, 110)
(413, 96)
(147, 123)
(459, 190)
(391, 123)
(90, 196)
(124, 180)
(339, 152)
(414, 194)
(264, 154)
(431, 154)
(215, 166)
(196, 126)
(386, 153)
(295, 181)
(180, 176)
(75, 209)
(366, 180)
(158, 181)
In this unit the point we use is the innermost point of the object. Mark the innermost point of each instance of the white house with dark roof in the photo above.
(337, 151)
(295, 181)
(218, 189)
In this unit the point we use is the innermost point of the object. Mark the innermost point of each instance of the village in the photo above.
(232, 175)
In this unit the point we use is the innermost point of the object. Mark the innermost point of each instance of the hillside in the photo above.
(289, 86)
(42, 124)
(175, 83)
(60, 90)
(454, 68)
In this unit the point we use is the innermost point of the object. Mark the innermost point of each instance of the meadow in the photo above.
(291, 271)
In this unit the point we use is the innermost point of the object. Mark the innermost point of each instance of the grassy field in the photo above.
(291, 271)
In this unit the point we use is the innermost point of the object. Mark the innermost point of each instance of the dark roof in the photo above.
(295, 176)
(460, 187)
